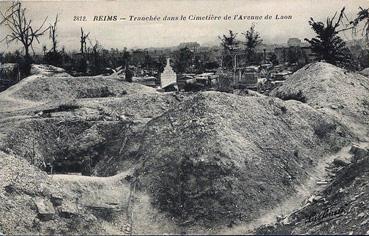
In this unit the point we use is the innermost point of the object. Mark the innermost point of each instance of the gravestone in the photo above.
(168, 76)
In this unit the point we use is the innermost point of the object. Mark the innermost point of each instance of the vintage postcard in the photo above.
(184, 117)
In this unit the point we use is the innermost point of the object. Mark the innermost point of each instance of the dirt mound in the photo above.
(331, 90)
(51, 84)
(88, 136)
(218, 159)
(57, 88)
(52, 117)
(341, 207)
(138, 106)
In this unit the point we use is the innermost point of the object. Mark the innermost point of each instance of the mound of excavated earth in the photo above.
(332, 90)
(219, 159)
(48, 84)
(57, 126)
(56, 88)
(100, 132)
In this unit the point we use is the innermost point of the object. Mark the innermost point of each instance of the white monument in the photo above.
(168, 76)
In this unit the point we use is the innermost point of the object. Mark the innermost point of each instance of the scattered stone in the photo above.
(40, 113)
(45, 208)
(317, 198)
(56, 199)
(68, 209)
(311, 199)
(334, 107)
(91, 218)
(123, 117)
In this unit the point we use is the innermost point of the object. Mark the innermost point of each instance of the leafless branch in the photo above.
(20, 27)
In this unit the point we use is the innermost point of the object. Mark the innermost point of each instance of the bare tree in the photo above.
(53, 35)
(83, 41)
(21, 28)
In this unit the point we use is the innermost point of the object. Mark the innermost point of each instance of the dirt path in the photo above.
(104, 196)
(303, 193)
(96, 191)
(88, 179)
(9, 103)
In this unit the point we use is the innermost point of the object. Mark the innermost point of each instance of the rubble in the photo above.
(68, 209)
(45, 208)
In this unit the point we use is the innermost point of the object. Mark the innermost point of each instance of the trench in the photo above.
(60, 146)
(304, 192)
(102, 142)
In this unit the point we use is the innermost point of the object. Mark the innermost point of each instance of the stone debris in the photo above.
(68, 209)
(45, 208)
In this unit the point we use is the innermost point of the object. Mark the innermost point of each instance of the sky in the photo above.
(138, 34)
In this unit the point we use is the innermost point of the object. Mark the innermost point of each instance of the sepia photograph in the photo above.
(184, 117)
